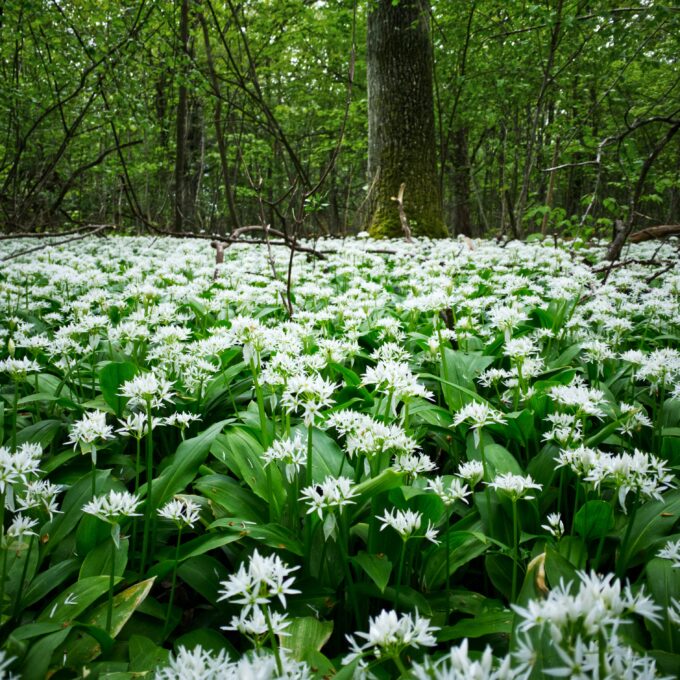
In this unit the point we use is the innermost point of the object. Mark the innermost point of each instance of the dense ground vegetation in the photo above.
(455, 459)
(191, 116)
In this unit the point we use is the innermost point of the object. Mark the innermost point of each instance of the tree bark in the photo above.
(461, 183)
(401, 126)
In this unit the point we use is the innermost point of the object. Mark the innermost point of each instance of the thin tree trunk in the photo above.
(182, 123)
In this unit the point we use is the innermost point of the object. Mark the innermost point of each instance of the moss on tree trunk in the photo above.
(401, 132)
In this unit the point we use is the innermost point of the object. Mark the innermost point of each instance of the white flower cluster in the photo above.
(396, 380)
(311, 393)
(333, 492)
(291, 452)
(200, 664)
(369, 437)
(406, 523)
(147, 388)
(389, 634)
(515, 486)
(265, 578)
(18, 465)
(181, 511)
(639, 473)
(477, 415)
(113, 506)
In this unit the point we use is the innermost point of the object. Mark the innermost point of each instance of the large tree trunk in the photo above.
(401, 132)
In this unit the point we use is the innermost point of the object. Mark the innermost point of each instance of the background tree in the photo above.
(401, 125)
(546, 115)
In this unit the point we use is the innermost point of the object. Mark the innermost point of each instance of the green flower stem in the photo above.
(15, 409)
(148, 506)
(138, 456)
(260, 406)
(310, 454)
(622, 562)
(308, 477)
(173, 584)
(400, 571)
(93, 455)
(487, 493)
(388, 406)
(343, 544)
(3, 573)
(24, 571)
(272, 636)
(600, 544)
(515, 559)
(112, 579)
(658, 419)
(448, 566)
(272, 507)
(400, 665)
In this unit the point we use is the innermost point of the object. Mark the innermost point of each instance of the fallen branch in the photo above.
(95, 230)
(661, 231)
(50, 234)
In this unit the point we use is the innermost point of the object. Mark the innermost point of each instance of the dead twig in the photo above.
(405, 227)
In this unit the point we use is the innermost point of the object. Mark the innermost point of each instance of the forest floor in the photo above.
(452, 459)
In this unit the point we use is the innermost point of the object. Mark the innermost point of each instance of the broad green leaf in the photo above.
(49, 579)
(388, 479)
(499, 460)
(663, 580)
(203, 574)
(328, 459)
(18, 563)
(304, 635)
(378, 568)
(486, 623)
(594, 519)
(42, 432)
(557, 568)
(112, 375)
(666, 662)
(183, 465)
(573, 549)
(273, 535)
(82, 649)
(73, 601)
(72, 507)
(653, 520)
(218, 390)
(462, 547)
(51, 384)
(231, 497)
(145, 655)
(98, 560)
(201, 545)
(37, 661)
(55, 462)
(499, 569)
(242, 453)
